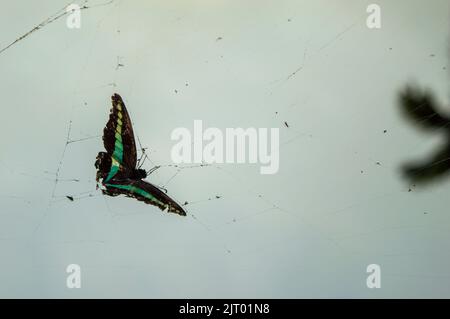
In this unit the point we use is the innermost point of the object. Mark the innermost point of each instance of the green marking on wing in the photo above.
(117, 156)
(115, 166)
(118, 148)
(137, 190)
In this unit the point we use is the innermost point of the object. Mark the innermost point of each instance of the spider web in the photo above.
(230, 207)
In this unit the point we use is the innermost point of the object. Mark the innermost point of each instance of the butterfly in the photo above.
(117, 167)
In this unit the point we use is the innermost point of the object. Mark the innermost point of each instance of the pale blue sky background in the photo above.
(308, 231)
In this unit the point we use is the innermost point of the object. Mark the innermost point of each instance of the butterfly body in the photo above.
(116, 168)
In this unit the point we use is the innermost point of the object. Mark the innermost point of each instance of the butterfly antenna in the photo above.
(143, 154)
(139, 141)
(139, 161)
(144, 157)
(153, 169)
(143, 161)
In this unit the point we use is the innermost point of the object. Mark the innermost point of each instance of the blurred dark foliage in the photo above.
(420, 108)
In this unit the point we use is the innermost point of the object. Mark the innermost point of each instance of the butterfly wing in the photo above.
(145, 192)
(118, 139)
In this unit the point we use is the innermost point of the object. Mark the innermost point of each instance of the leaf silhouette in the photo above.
(419, 107)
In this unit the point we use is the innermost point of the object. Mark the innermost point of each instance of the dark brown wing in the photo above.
(420, 107)
(118, 136)
(145, 192)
